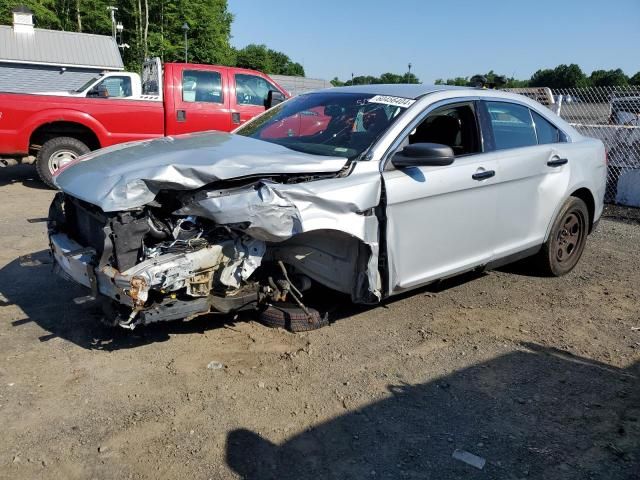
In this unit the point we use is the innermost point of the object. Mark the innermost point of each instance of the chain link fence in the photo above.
(611, 114)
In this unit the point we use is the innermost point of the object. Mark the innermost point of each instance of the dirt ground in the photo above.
(538, 376)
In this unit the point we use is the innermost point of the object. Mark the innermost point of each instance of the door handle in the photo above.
(557, 162)
(235, 118)
(483, 175)
(181, 115)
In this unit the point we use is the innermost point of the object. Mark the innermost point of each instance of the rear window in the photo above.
(512, 125)
(547, 132)
(202, 86)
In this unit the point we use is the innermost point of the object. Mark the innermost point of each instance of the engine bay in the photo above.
(155, 266)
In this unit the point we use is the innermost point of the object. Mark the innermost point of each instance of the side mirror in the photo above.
(273, 99)
(423, 155)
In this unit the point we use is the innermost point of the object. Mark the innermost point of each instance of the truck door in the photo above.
(201, 101)
(250, 94)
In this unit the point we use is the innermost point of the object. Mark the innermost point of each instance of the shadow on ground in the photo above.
(47, 300)
(24, 174)
(536, 413)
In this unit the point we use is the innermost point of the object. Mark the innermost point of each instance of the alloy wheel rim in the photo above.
(60, 158)
(569, 237)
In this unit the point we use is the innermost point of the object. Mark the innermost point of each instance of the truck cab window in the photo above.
(202, 86)
(252, 90)
(114, 87)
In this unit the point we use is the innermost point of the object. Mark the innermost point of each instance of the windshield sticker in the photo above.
(395, 101)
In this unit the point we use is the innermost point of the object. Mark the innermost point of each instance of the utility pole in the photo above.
(113, 11)
(185, 29)
(409, 76)
(352, 79)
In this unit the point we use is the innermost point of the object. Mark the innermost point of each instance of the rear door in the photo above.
(250, 93)
(534, 165)
(201, 99)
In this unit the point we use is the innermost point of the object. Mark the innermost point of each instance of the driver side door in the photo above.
(441, 220)
(250, 94)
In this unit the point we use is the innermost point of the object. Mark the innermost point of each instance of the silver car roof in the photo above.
(404, 90)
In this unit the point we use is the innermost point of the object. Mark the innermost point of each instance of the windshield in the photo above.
(328, 123)
(86, 85)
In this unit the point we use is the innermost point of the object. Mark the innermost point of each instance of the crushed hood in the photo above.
(130, 175)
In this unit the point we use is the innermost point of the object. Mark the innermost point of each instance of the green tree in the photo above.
(635, 80)
(336, 82)
(563, 76)
(259, 57)
(478, 80)
(256, 57)
(44, 12)
(609, 78)
(409, 78)
(389, 77)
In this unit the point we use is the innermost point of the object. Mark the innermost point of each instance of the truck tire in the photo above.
(55, 153)
(292, 318)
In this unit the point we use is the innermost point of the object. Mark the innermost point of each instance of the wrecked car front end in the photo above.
(178, 227)
(151, 269)
(218, 252)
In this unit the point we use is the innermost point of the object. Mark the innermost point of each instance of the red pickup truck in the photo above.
(51, 130)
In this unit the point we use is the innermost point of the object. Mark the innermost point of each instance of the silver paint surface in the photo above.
(130, 175)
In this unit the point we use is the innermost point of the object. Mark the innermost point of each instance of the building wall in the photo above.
(297, 85)
(20, 78)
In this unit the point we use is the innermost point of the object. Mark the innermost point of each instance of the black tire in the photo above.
(568, 236)
(292, 318)
(54, 151)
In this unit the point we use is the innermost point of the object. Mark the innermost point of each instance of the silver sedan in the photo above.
(369, 190)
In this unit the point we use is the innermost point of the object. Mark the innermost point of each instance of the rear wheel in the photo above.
(568, 236)
(55, 154)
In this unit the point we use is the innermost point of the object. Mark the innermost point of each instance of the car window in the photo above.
(202, 86)
(512, 125)
(328, 123)
(114, 87)
(546, 131)
(451, 125)
(252, 89)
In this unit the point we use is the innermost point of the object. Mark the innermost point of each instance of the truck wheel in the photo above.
(567, 239)
(56, 153)
(292, 318)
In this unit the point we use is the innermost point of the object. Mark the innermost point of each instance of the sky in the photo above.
(445, 38)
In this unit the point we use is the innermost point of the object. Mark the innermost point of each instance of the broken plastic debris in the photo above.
(469, 458)
(215, 366)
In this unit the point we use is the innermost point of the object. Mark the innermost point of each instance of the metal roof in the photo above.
(58, 48)
(405, 90)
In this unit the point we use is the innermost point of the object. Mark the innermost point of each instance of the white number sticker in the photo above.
(395, 101)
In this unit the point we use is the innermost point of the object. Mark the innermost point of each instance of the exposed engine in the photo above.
(154, 265)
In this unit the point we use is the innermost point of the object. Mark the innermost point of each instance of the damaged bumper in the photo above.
(191, 274)
(220, 250)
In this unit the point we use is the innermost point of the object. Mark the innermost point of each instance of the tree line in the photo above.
(562, 76)
(154, 28)
(384, 78)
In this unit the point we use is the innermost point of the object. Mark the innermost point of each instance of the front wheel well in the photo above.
(586, 196)
(62, 129)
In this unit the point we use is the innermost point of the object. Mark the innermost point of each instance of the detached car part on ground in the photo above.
(370, 191)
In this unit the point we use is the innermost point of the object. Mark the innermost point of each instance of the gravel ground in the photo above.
(538, 376)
